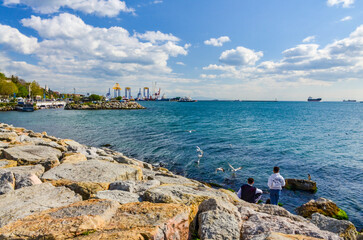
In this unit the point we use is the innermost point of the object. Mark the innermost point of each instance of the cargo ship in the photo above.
(310, 99)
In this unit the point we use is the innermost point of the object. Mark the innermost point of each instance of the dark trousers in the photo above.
(274, 196)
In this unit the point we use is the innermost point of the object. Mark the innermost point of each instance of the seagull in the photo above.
(200, 155)
(190, 131)
(234, 169)
(220, 169)
(309, 177)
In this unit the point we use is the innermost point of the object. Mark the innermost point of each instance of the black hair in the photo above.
(250, 180)
(276, 169)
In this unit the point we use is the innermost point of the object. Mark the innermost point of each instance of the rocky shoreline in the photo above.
(104, 105)
(52, 188)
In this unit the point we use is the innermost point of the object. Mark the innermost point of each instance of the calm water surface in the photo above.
(322, 139)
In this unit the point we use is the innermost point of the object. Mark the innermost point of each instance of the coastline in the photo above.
(37, 164)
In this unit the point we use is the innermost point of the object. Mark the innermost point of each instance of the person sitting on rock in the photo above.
(249, 193)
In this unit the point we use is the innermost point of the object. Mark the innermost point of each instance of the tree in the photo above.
(2, 76)
(7, 88)
(95, 97)
(35, 89)
(22, 92)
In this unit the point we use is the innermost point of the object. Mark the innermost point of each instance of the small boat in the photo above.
(310, 99)
(25, 107)
(186, 99)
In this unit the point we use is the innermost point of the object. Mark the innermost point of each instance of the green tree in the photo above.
(95, 97)
(35, 89)
(7, 88)
(22, 91)
(2, 76)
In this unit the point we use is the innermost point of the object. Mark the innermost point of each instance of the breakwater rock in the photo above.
(7, 107)
(104, 105)
(53, 188)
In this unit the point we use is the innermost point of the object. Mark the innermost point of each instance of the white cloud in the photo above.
(309, 39)
(156, 36)
(344, 3)
(71, 49)
(240, 56)
(347, 18)
(304, 64)
(217, 42)
(19, 42)
(180, 63)
(108, 8)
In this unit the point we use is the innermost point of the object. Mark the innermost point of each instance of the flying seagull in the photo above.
(220, 169)
(200, 154)
(234, 169)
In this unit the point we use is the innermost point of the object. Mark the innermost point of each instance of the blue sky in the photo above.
(233, 49)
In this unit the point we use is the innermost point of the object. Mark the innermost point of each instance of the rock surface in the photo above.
(37, 170)
(119, 196)
(322, 206)
(25, 201)
(343, 228)
(7, 163)
(93, 171)
(134, 186)
(7, 181)
(300, 184)
(32, 155)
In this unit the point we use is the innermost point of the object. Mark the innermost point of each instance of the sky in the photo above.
(206, 49)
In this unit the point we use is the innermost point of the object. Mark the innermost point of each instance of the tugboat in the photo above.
(310, 99)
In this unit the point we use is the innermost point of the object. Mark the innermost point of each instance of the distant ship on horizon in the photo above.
(310, 99)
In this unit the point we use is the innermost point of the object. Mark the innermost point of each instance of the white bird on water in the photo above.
(190, 131)
(200, 155)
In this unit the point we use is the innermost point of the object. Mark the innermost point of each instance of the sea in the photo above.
(323, 139)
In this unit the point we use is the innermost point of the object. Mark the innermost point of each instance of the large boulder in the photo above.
(20, 203)
(134, 186)
(134, 221)
(343, 228)
(8, 136)
(218, 219)
(7, 163)
(300, 184)
(64, 222)
(281, 236)
(73, 158)
(32, 155)
(322, 206)
(218, 225)
(258, 225)
(119, 196)
(37, 170)
(7, 181)
(93, 171)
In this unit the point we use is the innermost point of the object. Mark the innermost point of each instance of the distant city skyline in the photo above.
(247, 50)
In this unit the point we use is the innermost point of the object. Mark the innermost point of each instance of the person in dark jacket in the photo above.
(249, 193)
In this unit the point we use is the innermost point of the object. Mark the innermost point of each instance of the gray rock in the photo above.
(74, 146)
(31, 155)
(214, 204)
(7, 181)
(119, 196)
(93, 171)
(256, 225)
(188, 195)
(4, 163)
(174, 179)
(218, 224)
(134, 186)
(300, 184)
(4, 145)
(26, 180)
(37, 170)
(24, 138)
(53, 145)
(26, 201)
(8, 136)
(343, 228)
(277, 211)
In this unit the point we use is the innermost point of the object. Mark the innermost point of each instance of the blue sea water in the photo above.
(323, 139)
